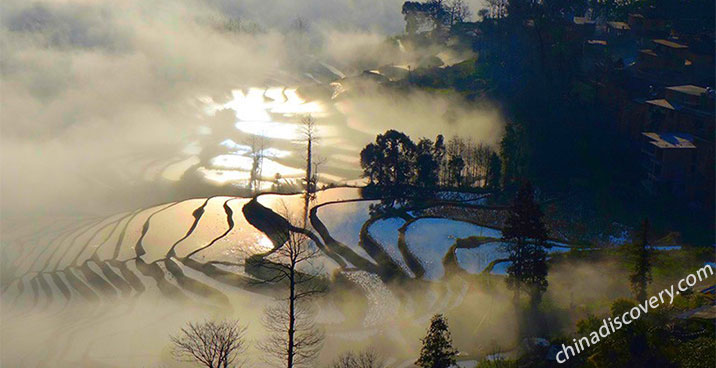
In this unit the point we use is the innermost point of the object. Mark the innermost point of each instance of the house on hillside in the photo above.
(686, 109)
(646, 28)
(617, 29)
(664, 55)
(669, 160)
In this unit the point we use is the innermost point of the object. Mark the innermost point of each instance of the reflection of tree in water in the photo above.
(395, 201)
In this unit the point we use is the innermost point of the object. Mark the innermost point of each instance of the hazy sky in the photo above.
(87, 84)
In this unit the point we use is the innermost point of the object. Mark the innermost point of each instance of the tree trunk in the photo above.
(309, 189)
(291, 316)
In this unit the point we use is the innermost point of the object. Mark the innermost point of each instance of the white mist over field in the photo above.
(114, 112)
(98, 96)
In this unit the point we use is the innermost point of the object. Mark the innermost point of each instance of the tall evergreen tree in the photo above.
(525, 236)
(455, 166)
(427, 165)
(437, 350)
(514, 153)
(390, 160)
(640, 257)
(494, 171)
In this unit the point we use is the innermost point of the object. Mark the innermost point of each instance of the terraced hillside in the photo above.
(387, 271)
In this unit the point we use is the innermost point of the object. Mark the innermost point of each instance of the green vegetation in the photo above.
(526, 236)
(640, 257)
(394, 162)
(437, 350)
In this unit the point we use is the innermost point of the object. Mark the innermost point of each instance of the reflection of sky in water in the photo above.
(244, 149)
(269, 167)
(264, 111)
(430, 239)
(224, 176)
(270, 129)
(475, 260)
(272, 113)
(344, 221)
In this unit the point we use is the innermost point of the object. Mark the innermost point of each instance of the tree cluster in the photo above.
(394, 160)
(211, 344)
(434, 16)
(654, 340)
(525, 236)
(364, 359)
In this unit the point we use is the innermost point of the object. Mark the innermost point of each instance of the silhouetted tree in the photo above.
(514, 153)
(497, 8)
(293, 339)
(437, 350)
(211, 344)
(494, 172)
(439, 150)
(525, 236)
(429, 16)
(388, 161)
(640, 257)
(455, 167)
(458, 11)
(363, 359)
(427, 164)
(309, 132)
(258, 144)
(653, 340)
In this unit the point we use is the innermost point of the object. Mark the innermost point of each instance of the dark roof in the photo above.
(670, 140)
(618, 25)
(670, 44)
(688, 89)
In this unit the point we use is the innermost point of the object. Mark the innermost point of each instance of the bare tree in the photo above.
(364, 359)
(309, 132)
(211, 344)
(293, 338)
(459, 11)
(498, 8)
(258, 145)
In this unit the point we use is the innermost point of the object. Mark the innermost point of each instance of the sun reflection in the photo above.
(269, 168)
(273, 113)
(265, 244)
(224, 176)
(262, 111)
(270, 129)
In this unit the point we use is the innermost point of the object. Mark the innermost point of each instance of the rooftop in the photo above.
(670, 44)
(582, 20)
(670, 140)
(706, 312)
(688, 89)
(618, 25)
(662, 103)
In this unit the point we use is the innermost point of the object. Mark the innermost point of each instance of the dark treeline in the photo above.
(562, 133)
(436, 18)
(395, 161)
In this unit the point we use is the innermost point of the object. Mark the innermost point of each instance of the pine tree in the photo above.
(525, 236)
(494, 172)
(426, 164)
(640, 257)
(437, 350)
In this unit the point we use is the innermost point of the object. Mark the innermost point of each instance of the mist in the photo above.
(91, 89)
(100, 100)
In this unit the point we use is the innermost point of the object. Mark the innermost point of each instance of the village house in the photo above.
(669, 162)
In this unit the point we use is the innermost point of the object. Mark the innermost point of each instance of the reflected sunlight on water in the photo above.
(268, 113)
